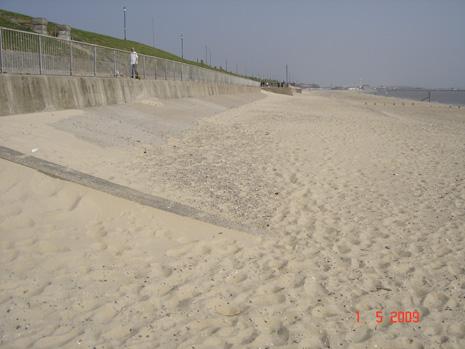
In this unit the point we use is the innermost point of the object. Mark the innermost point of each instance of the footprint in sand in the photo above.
(435, 300)
(225, 308)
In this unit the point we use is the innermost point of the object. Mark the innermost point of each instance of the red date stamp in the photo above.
(393, 317)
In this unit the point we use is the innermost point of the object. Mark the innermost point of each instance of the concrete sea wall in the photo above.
(29, 93)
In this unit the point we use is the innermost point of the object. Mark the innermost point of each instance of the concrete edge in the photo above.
(70, 175)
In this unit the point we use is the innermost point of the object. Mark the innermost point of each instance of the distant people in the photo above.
(134, 60)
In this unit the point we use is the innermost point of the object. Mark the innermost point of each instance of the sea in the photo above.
(446, 96)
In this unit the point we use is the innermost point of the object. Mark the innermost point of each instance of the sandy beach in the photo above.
(354, 204)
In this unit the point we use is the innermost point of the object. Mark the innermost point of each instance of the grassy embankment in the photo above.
(22, 22)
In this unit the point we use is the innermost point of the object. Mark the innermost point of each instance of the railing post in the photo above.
(95, 60)
(114, 63)
(1, 51)
(155, 70)
(70, 58)
(40, 55)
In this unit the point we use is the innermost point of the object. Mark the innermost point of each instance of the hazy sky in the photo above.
(331, 42)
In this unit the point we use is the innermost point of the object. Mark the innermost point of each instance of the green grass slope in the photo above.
(22, 22)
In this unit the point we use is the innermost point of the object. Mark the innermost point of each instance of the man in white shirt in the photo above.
(134, 60)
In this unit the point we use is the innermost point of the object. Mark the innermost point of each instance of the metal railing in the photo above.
(30, 53)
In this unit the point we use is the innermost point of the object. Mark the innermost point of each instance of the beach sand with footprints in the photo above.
(354, 207)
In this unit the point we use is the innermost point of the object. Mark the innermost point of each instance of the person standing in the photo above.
(134, 58)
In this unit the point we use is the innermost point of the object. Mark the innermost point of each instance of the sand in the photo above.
(357, 203)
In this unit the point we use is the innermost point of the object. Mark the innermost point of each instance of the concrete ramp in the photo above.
(281, 90)
(71, 175)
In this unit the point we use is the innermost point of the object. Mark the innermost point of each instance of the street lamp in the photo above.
(182, 46)
(124, 13)
(153, 31)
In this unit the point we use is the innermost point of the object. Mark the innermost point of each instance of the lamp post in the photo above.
(124, 14)
(153, 31)
(182, 46)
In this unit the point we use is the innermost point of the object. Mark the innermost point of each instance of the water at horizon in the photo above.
(455, 97)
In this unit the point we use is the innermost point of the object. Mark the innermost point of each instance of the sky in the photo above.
(329, 42)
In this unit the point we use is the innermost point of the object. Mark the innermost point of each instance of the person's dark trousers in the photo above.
(133, 70)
